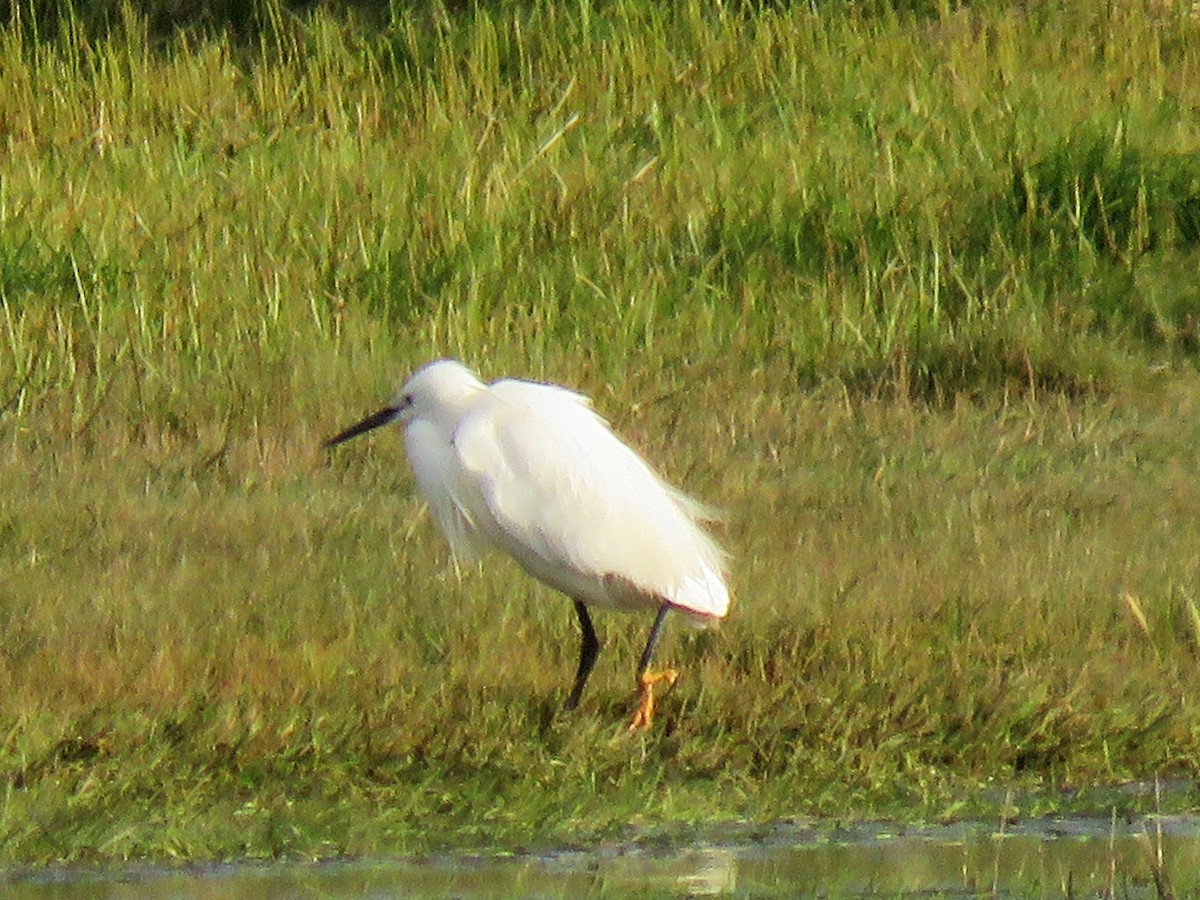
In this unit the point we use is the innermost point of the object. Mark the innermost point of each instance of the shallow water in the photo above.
(1043, 857)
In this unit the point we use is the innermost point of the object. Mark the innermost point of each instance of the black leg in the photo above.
(655, 631)
(589, 648)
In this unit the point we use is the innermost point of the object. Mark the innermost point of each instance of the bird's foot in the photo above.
(643, 716)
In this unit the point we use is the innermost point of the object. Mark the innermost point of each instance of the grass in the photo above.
(909, 294)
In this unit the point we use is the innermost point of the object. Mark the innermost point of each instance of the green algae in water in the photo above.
(1147, 857)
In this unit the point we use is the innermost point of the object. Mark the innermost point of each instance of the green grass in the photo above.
(909, 295)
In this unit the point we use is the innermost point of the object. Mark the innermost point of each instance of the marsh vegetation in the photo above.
(908, 292)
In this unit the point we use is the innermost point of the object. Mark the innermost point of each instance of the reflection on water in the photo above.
(1146, 857)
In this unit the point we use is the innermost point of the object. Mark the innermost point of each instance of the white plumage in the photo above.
(532, 470)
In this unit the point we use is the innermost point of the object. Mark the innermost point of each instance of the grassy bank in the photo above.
(909, 296)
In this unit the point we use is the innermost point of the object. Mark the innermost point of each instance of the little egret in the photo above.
(533, 470)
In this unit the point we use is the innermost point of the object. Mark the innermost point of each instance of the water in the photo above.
(1044, 857)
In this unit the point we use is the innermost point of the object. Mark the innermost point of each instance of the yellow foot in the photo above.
(643, 716)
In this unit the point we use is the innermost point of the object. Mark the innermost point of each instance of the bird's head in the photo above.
(438, 392)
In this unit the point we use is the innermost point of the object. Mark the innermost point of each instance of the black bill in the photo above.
(375, 420)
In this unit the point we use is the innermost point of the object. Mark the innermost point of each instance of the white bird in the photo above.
(532, 470)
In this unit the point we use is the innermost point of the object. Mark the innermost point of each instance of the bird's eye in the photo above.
(406, 401)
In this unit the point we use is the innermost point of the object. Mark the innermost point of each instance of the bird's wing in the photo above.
(577, 507)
